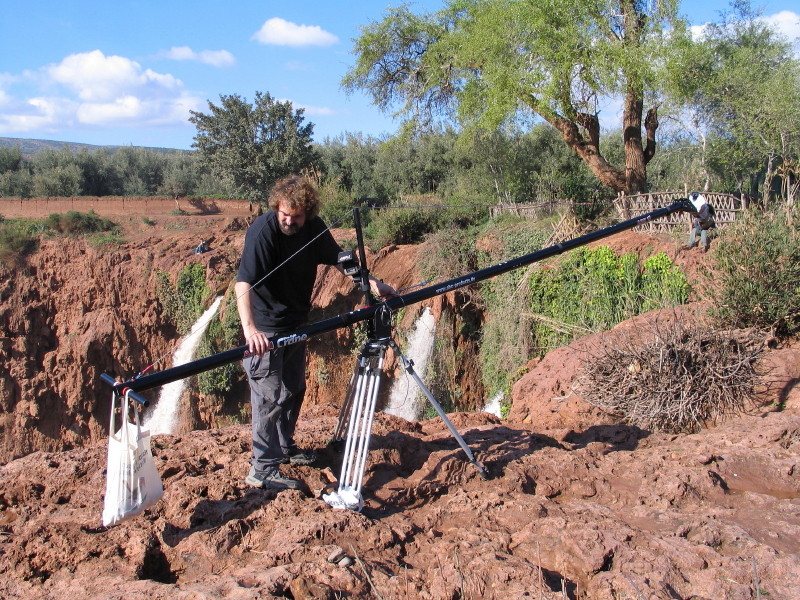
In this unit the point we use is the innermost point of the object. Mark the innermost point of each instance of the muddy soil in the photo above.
(577, 505)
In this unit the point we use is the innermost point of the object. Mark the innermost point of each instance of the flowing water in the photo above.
(493, 406)
(163, 417)
(406, 399)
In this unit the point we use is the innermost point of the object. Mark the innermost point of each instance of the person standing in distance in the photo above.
(282, 250)
(702, 222)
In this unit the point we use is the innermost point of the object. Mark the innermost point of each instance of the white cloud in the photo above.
(310, 111)
(279, 32)
(316, 111)
(786, 23)
(38, 114)
(215, 58)
(98, 78)
(698, 32)
(94, 90)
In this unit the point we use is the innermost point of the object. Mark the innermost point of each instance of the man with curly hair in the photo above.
(282, 250)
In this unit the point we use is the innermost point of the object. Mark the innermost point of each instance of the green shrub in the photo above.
(663, 284)
(78, 223)
(183, 302)
(506, 341)
(548, 305)
(757, 279)
(16, 239)
(593, 289)
(222, 334)
(400, 225)
(449, 253)
(107, 238)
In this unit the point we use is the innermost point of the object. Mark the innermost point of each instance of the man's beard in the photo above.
(288, 229)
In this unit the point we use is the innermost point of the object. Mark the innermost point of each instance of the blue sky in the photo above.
(127, 72)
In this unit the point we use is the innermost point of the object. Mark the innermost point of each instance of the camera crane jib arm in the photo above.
(160, 378)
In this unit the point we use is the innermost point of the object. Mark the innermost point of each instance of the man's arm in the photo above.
(257, 342)
(379, 288)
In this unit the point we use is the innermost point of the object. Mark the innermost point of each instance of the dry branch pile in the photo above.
(676, 380)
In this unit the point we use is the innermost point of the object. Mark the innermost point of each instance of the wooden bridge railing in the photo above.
(727, 207)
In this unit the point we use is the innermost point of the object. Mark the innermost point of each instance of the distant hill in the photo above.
(29, 147)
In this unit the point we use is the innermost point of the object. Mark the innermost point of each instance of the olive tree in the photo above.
(485, 62)
(252, 145)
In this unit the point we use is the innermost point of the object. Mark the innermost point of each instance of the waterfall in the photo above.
(406, 399)
(493, 406)
(163, 416)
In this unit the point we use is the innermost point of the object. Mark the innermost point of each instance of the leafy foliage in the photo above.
(252, 145)
(480, 62)
(743, 80)
(757, 279)
(183, 302)
(76, 223)
(222, 334)
(409, 222)
(17, 238)
(593, 289)
(588, 290)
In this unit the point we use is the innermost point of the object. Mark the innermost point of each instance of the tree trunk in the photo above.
(635, 165)
(589, 153)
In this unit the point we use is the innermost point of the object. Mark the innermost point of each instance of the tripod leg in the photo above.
(344, 412)
(359, 429)
(356, 412)
(366, 430)
(409, 367)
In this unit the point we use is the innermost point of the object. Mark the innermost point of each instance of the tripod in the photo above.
(358, 412)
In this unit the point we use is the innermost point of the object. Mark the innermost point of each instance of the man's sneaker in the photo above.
(272, 480)
(297, 456)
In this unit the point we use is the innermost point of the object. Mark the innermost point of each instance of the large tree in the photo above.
(484, 62)
(252, 145)
(742, 81)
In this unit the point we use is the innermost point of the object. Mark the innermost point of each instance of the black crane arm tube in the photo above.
(345, 319)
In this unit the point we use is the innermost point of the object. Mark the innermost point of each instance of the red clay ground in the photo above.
(578, 505)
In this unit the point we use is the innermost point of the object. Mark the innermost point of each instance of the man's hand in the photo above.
(380, 289)
(258, 343)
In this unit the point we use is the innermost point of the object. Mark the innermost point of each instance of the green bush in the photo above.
(757, 279)
(400, 225)
(449, 253)
(593, 289)
(183, 302)
(222, 334)
(506, 341)
(17, 238)
(337, 209)
(588, 290)
(107, 239)
(78, 223)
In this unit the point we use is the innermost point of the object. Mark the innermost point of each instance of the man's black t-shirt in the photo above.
(282, 300)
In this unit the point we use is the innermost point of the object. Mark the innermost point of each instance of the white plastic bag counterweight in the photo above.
(132, 480)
